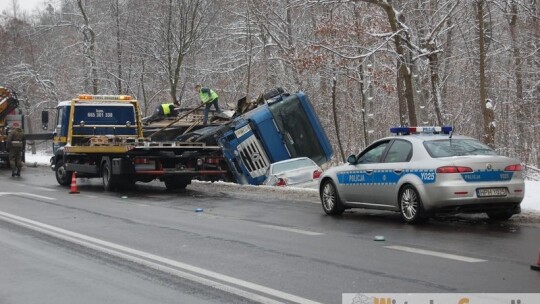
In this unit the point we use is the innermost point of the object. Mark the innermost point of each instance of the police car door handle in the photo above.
(398, 171)
(369, 171)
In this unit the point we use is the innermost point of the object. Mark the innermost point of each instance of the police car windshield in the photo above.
(457, 147)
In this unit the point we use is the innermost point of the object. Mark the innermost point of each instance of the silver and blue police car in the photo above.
(422, 171)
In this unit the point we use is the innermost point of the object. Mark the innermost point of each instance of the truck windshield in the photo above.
(105, 115)
(297, 130)
(89, 118)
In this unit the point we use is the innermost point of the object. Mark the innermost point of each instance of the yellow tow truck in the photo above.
(101, 136)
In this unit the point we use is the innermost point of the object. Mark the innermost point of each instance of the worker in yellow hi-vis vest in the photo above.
(208, 97)
(163, 111)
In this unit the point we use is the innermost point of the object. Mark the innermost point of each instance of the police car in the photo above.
(421, 171)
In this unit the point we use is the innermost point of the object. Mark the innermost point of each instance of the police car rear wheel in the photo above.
(330, 200)
(410, 206)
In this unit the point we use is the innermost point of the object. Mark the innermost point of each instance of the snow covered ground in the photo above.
(530, 203)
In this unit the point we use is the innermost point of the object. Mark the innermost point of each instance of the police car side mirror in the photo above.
(352, 159)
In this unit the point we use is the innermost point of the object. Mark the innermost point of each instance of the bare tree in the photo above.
(172, 37)
(401, 37)
(486, 105)
(89, 46)
(518, 74)
(394, 60)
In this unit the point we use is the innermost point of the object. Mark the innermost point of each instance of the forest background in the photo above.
(366, 64)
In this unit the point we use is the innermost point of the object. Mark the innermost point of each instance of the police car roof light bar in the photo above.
(411, 130)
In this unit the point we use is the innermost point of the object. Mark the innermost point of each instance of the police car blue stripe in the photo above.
(487, 176)
(389, 177)
(383, 177)
(354, 178)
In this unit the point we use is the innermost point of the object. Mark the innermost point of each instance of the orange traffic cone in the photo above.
(537, 267)
(74, 189)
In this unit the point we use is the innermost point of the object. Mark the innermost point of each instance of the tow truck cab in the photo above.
(118, 119)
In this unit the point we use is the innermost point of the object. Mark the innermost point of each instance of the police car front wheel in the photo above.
(330, 200)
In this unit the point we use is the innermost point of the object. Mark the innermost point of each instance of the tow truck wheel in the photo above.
(63, 177)
(106, 174)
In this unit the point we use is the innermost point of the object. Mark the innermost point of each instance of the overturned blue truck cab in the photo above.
(275, 126)
(284, 127)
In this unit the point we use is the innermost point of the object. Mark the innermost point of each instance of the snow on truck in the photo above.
(104, 137)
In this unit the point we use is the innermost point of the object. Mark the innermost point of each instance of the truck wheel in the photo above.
(107, 176)
(174, 184)
(63, 177)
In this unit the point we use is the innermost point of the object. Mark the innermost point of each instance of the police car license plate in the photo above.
(491, 192)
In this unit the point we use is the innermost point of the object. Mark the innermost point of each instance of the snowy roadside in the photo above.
(530, 204)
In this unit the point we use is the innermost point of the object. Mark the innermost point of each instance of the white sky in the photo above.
(24, 5)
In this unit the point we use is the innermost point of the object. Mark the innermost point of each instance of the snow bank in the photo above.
(532, 196)
(530, 203)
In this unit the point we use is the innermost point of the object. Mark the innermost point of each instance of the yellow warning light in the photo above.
(85, 96)
(104, 97)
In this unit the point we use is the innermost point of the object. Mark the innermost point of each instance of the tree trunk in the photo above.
(249, 50)
(435, 86)
(143, 89)
(404, 62)
(90, 37)
(487, 113)
(518, 74)
(290, 43)
(116, 10)
(402, 103)
(336, 123)
(447, 57)
(363, 103)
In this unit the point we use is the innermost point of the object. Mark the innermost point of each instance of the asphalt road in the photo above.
(147, 245)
